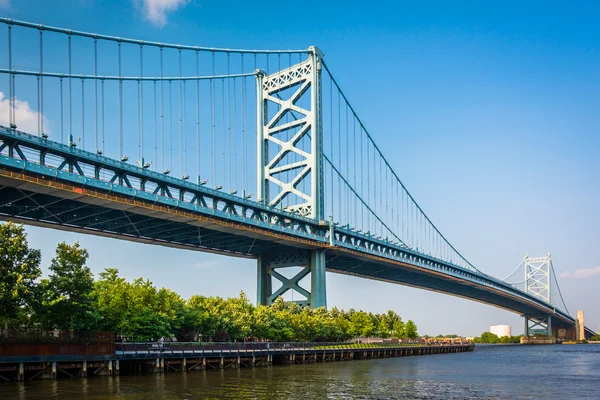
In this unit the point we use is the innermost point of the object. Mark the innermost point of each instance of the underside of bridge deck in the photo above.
(69, 210)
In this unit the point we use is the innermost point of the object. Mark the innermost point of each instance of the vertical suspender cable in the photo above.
(414, 227)
(96, 94)
(212, 123)
(140, 158)
(181, 156)
(62, 125)
(290, 91)
(228, 123)
(244, 154)
(368, 185)
(386, 194)
(103, 121)
(398, 209)
(39, 120)
(170, 125)
(155, 158)
(223, 139)
(120, 105)
(234, 134)
(82, 114)
(390, 200)
(404, 237)
(375, 222)
(184, 128)
(198, 116)
(141, 106)
(339, 158)
(331, 141)
(162, 114)
(381, 185)
(362, 192)
(41, 109)
(11, 120)
(355, 212)
(347, 170)
(70, 98)
(375, 187)
(14, 88)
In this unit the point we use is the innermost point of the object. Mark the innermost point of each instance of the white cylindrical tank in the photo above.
(500, 330)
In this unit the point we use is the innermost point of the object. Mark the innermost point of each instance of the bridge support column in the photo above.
(263, 281)
(538, 326)
(318, 293)
(312, 262)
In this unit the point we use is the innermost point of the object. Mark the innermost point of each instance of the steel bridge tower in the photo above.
(279, 155)
(537, 283)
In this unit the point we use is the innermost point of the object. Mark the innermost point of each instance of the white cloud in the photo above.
(156, 11)
(25, 118)
(206, 264)
(4, 4)
(581, 273)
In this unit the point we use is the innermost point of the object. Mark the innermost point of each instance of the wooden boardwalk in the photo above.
(143, 358)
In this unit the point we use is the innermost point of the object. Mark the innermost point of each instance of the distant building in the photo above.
(500, 330)
(580, 325)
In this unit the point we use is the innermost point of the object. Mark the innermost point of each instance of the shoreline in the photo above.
(141, 359)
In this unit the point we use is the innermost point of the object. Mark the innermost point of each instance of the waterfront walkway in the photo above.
(140, 358)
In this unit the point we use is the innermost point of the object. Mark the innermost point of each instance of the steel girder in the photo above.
(53, 161)
(114, 176)
(352, 240)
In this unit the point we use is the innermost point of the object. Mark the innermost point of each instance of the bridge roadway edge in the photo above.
(171, 359)
(419, 270)
(80, 193)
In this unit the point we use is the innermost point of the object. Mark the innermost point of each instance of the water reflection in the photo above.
(553, 372)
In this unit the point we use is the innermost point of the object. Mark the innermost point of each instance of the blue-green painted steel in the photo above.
(348, 252)
(318, 295)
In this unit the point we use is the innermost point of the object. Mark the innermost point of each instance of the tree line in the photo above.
(70, 299)
(488, 337)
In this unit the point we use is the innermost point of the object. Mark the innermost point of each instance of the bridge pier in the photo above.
(313, 263)
(538, 325)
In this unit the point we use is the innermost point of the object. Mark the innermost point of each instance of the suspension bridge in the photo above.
(249, 153)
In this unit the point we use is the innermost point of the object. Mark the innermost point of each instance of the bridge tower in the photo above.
(290, 170)
(537, 283)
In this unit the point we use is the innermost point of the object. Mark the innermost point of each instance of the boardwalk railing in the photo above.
(237, 348)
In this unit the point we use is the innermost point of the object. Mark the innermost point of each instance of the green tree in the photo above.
(113, 301)
(19, 269)
(70, 288)
(383, 328)
(488, 337)
(398, 330)
(205, 325)
(391, 317)
(361, 324)
(411, 329)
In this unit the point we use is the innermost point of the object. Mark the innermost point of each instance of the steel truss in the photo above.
(286, 137)
(53, 161)
(40, 156)
(537, 277)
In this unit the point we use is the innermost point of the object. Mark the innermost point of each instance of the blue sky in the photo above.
(492, 106)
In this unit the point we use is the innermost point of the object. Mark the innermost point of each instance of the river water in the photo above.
(490, 372)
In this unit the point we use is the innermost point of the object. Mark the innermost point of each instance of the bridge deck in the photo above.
(189, 216)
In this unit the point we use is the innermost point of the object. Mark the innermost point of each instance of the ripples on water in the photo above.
(490, 372)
